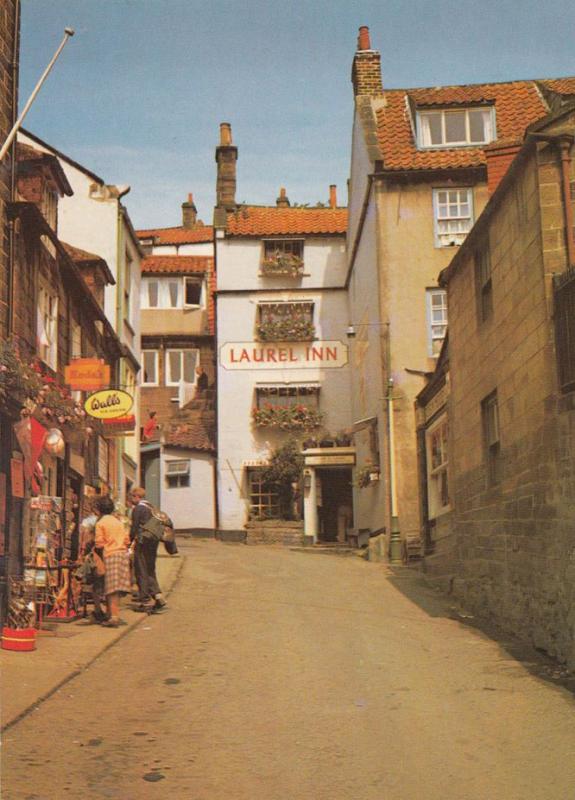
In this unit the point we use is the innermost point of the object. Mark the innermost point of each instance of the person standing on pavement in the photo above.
(145, 554)
(112, 538)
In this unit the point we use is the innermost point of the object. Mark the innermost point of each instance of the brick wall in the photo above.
(515, 540)
(366, 73)
(8, 96)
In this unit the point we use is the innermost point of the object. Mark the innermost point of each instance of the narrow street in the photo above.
(284, 675)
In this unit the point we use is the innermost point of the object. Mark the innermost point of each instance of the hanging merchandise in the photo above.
(54, 442)
(31, 436)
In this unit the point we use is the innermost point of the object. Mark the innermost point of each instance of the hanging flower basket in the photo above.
(286, 418)
(365, 476)
(283, 264)
(36, 391)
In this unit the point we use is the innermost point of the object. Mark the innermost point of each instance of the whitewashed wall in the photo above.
(192, 506)
(239, 441)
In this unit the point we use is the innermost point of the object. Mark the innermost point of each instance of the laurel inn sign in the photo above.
(250, 355)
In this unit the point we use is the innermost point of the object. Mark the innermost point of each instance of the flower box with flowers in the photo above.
(283, 264)
(292, 329)
(287, 418)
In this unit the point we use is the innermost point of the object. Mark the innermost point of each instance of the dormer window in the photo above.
(455, 127)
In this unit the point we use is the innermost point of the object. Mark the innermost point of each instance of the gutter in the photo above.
(357, 239)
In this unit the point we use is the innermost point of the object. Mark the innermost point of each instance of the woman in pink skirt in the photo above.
(113, 539)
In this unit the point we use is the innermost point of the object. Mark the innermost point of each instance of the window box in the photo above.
(286, 418)
(285, 321)
(283, 264)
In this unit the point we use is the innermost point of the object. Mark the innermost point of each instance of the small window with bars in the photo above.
(285, 321)
(294, 395)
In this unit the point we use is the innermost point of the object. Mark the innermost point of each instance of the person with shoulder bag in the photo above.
(146, 542)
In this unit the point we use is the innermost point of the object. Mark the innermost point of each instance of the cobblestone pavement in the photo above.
(278, 675)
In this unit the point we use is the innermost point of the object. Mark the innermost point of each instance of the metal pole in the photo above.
(395, 537)
(5, 147)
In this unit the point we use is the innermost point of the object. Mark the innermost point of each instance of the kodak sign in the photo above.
(87, 374)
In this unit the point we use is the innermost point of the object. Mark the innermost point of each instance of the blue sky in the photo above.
(138, 93)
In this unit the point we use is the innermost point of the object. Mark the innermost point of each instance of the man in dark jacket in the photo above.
(145, 553)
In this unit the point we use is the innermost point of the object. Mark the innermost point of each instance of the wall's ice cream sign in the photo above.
(263, 355)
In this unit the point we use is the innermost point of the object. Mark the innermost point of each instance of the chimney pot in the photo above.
(189, 213)
(333, 196)
(363, 40)
(282, 201)
(225, 134)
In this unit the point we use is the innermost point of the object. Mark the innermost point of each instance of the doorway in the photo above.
(335, 504)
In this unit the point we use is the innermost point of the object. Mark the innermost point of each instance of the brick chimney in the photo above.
(189, 213)
(333, 196)
(226, 158)
(499, 157)
(282, 201)
(366, 69)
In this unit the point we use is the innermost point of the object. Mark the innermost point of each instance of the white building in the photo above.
(282, 355)
(95, 220)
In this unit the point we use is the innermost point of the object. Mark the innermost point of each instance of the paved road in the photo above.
(281, 675)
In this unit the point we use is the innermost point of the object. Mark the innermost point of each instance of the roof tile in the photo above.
(179, 235)
(518, 104)
(177, 264)
(274, 221)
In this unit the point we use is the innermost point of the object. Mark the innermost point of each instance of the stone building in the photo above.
(9, 62)
(282, 361)
(419, 180)
(504, 432)
(94, 218)
(56, 316)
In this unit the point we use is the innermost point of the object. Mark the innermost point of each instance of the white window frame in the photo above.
(196, 281)
(164, 303)
(284, 244)
(266, 498)
(178, 473)
(455, 237)
(181, 351)
(156, 370)
(47, 325)
(437, 473)
(489, 127)
(432, 324)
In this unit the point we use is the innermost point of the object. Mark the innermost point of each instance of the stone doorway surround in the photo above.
(320, 458)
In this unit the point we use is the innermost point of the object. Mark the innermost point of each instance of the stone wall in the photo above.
(275, 531)
(515, 537)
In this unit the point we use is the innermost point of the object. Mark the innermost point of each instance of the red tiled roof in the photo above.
(84, 259)
(517, 105)
(193, 431)
(177, 264)
(273, 221)
(179, 235)
(560, 85)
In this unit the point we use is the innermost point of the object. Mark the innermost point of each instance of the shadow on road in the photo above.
(411, 584)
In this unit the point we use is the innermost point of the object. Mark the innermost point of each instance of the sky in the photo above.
(139, 92)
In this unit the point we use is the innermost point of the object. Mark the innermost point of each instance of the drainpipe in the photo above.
(395, 537)
(565, 150)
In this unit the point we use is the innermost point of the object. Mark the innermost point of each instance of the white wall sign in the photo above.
(295, 355)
